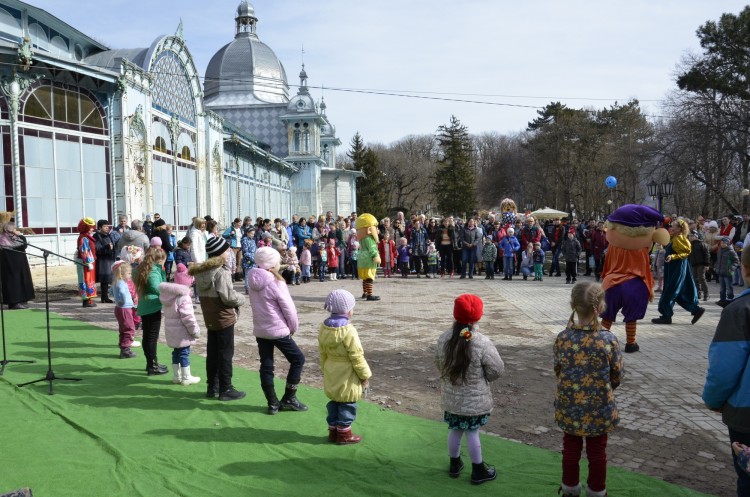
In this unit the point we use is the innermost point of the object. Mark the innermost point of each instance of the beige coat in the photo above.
(473, 398)
(343, 363)
(219, 302)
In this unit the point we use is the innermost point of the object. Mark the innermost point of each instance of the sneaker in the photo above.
(373, 297)
(291, 404)
(722, 303)
(135, 343)
(126, 353)
(157, 369)
(231, 393)
(662, 320)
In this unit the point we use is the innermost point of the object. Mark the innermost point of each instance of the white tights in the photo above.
(473, 445)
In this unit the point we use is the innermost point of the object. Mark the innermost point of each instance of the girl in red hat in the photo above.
(468, 362)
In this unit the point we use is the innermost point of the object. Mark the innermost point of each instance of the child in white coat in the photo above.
(181, 329)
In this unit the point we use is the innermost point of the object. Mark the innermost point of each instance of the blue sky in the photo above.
(583, 53)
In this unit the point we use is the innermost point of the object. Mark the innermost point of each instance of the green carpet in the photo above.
(119, 432)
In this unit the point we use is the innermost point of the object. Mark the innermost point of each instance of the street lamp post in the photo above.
(660, 192)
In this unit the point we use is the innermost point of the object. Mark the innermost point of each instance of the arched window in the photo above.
(68, 108)
(160, 145)
(186, 153)
(171, 91)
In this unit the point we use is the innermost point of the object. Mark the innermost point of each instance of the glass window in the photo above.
(160, 145)
(71, 100)
(58, 104)
(171, 91)
(186, 153)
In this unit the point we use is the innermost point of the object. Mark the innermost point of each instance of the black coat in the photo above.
(166, 243)
(17, 286)
(105, 257)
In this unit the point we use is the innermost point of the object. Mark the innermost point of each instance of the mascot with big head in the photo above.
(369, 258)
(626, 277)
(509, 212)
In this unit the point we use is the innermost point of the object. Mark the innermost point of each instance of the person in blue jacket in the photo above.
(302, 232)
(509, 245)
(727, 388)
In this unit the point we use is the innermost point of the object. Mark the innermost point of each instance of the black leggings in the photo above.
(151, 324)
(446, 258)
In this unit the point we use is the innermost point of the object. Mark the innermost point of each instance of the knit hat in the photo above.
(116, 265)
(159, 222)
(467, 308)
(694, 233)
(216, 246)
(267, 258)
(511, 231)
(713, 224)
(293, 249)
(339, 302)
(249, 229)
(155, 242)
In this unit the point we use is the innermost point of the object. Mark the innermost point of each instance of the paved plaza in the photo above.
(665, 430)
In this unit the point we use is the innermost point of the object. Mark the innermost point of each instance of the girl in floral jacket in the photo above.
(588, 367)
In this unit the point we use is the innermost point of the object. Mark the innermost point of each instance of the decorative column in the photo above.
(174, 135)
(13, 87)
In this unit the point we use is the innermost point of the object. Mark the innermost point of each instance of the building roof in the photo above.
(245, 71)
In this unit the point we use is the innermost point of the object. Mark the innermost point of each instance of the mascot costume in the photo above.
(626, 277)
(369, 258)
(509, 212)
(86, 256)
(679, 286)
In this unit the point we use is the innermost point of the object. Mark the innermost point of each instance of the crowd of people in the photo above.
(264, 254)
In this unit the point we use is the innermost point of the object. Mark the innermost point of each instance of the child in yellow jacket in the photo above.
(345, 370)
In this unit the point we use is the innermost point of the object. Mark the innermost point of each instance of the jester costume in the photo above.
(86, 254)
(679, 286)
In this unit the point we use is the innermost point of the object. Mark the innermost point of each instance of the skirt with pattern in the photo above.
(457, 422)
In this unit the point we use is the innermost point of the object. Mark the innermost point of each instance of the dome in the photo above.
(245, 71)
(302, 102)
(245, 9)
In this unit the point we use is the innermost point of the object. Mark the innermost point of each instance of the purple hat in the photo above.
(636, 215)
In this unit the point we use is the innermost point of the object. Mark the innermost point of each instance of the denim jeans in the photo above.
(526, 271)
(341, 413)
(468, 255)
(322, 271)
(743, 479)
(181, 356)
(219, 354)
(291, 352)
(508, 265)
(726, 292)
(738, 276)
(489, 268)
(341, 273)
(305, 270)
(555, 267)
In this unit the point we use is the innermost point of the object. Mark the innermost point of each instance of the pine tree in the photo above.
(371, 192)
(455, 188)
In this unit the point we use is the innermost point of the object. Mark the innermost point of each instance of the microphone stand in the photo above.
(50, 376)
(5, 360)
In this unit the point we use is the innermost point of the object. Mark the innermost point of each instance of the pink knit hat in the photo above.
(155, 242)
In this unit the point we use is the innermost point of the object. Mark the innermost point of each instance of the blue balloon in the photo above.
(611, 182)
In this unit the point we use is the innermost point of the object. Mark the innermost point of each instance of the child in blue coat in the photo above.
(509, 245)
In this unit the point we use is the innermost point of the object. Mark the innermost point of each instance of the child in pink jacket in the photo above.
(181, 277)
(181, 329)
(274, 323)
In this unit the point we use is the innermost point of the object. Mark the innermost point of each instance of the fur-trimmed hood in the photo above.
(210, 265)
(169, 292)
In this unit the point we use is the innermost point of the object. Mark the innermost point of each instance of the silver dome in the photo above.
(246, 71)
(245, 9)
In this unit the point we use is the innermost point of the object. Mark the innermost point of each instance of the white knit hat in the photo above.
(267, 258)
(339, 301)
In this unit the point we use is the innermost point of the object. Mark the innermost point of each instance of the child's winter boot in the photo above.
(591, 493)
(456, 466)
(187, 379)
(273, 402)
(481, 473)
(177, 378)
(289, 401)
(332, 434)
(567, 491)
(344, 436)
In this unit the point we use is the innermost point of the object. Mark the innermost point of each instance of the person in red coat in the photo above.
(388, 254)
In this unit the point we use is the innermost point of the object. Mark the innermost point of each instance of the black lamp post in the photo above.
(660, 192)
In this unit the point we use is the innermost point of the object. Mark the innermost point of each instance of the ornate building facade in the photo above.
(91, 131)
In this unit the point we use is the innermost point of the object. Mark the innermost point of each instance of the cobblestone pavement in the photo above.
(665, 430)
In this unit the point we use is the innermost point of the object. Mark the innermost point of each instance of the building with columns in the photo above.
(91, 131)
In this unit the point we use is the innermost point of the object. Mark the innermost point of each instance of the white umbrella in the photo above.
(548, 213)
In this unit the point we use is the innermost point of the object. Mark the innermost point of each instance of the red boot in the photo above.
(344, 436)
(332, 434)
